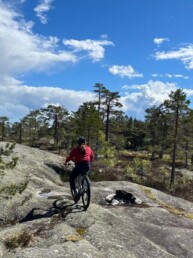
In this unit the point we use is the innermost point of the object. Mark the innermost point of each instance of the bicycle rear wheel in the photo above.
(85, 192)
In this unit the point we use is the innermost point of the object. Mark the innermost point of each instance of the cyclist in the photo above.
(82, 155)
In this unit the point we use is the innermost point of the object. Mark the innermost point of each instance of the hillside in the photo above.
(162, 226)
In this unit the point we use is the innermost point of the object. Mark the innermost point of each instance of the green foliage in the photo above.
(131, 174)
(13, 189)
(106, 151)
(54, 118)
(105, 148)
(110, 162)
(8, 149)
(87, 122)
(7, 162)
(138, 170)
(4, 127)
(142, 164)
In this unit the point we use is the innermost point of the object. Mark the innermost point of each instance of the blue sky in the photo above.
(54, 51)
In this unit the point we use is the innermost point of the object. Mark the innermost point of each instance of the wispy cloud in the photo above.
(184, 54)
(124, 71)
(95, 48)
(21, 50)
(104, 36)
(42, 9)
(167, 75)
(159, 41)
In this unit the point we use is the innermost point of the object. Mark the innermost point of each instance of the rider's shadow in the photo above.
(61, 208)
(38, 213)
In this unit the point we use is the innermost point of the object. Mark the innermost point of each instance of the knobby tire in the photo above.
(86, 192)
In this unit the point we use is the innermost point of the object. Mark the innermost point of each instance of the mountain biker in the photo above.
(82, 155)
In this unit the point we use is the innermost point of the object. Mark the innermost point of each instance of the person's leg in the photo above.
(72, 177)
(84, 167)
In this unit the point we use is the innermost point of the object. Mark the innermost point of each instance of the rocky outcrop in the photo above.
(33, 227)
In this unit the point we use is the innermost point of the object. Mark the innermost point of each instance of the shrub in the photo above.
(131, 174)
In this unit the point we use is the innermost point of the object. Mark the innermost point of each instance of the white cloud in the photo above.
(146, 95)
(159, 41)
(184, 54)
(176, 76)
(189, 92)
(95, 48)
(21, 50)
(104, 36)
(17, 100)
(42, 9)
(156, 75)
(167, 75)
(181, 76)
(124, 71)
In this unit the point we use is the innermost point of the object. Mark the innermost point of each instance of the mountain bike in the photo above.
(82, 192)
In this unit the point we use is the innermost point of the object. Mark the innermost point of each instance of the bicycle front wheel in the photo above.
(85, 192)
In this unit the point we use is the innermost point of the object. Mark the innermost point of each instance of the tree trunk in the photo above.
(3, 132)
(192, 159)
(20, 134)
(107, 124)
(174, 149)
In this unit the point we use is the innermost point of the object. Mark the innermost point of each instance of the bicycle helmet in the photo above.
(81, 140)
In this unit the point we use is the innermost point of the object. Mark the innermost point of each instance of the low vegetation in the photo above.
(152, 152)
(22, 239)
(7, 162)
(138, 167)
(11, 190)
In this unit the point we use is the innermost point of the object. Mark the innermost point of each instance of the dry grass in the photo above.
(177, 211)
(171, 209)
(81, 231)
(149, 193)
(18, 240)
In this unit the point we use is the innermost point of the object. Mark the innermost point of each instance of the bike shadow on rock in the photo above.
(38, 213)
(62, 208)
(65, 207)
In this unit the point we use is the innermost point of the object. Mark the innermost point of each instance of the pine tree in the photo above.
(177, 108)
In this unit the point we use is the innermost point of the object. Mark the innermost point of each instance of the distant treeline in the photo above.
(166, 129)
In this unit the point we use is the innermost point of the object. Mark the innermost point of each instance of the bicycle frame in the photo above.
(79, 181)
(82, 183)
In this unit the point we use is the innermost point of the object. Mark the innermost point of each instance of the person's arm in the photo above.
(70, 157)
(91, 155)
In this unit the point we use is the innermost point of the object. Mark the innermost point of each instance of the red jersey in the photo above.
(76, 156)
